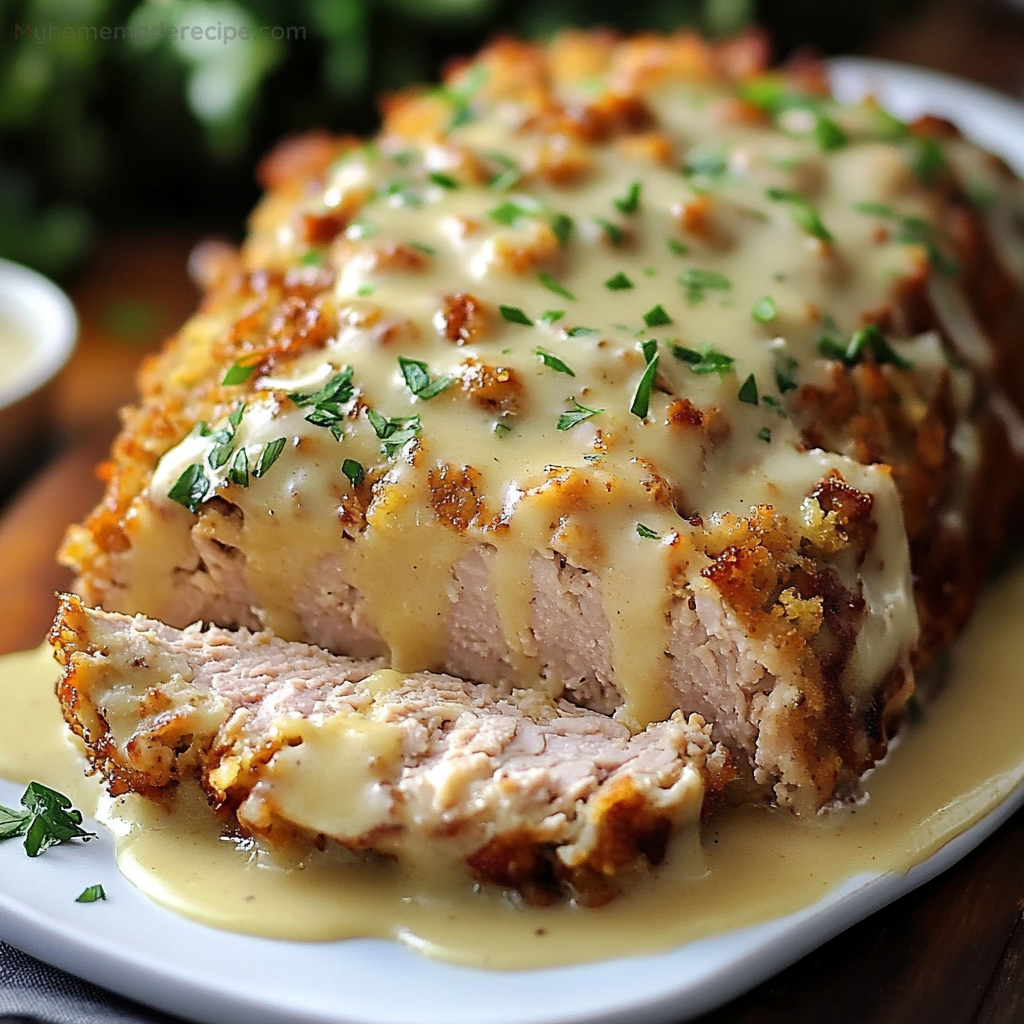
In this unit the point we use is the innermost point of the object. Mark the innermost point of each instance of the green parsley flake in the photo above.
(775, 405)
(444, 180)
(240, 372)
(630, 202)
(191, 489)
(552, 362)
(868, 340)
(582, 332)
(509, 214)
(657, 317)
(764, 311)
(697, 282)
(613, 232)
(828, 135)
(646, 532)
(703, 360)
(268, 456)
(913, 231)
(785, 373)
(618, 282)
(501, 429)
(48, 819)
(238, 472)
(765, 434)
(92, 894)
(677, 247)
(578, 414)
(395, 432)
(641, 403)
(365, 289)
(649, 348)
(417, 378)
(748, 391)
(313, 258)
(553, 286)
(562, 224)
(354, 471)
(428, 250)
(802, 213)
(514, 315)
(550, 316)
(508, 176)
(928, 159)
(328, 401)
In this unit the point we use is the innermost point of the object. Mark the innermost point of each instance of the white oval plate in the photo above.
(136, 948)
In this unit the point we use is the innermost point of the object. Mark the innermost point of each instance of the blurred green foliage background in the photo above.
(97, 133)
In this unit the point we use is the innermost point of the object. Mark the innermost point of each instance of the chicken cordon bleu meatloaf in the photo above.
(620, 388)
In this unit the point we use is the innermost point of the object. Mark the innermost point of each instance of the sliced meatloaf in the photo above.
(624, 370)
(295, 743)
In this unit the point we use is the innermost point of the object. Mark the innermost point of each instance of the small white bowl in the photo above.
(38, 327)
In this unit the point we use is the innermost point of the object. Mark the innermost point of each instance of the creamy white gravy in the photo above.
(752, 864)
(15, 354)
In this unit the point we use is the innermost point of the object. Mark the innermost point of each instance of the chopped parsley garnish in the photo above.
(442, 179)
(928, 159)
(395, 432)
(657, 317)
(785, 373)
(354, 471)
(703, 360)
(775, 405)
(401, 193)
(553, 286)
(867, 340)
(582, 332)
(509, 214)
(674, 245)
(803, 214)
(417, 378)
(238, 472)
(649, 271)
(697, 282)
(764, 311)
(630, 202)
(828, 135)
(514, 315)
(748, 391)
(646, 532)
(508, 176)
(562, 224)
(313, 258)
(568, 420)
(240, 372)
(365, 289)
(48, 819)
(614, 233)
(552, 362)
(501, 429)
(912, 231)
(618, 282)
(428, 250)
(765, 434)
(91, 894)
(550, 316)
(191, 488)
(268, 456)
(648, 348)
(328, 401)
(642, 397)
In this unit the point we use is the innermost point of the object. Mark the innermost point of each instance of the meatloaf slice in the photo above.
(298, 745)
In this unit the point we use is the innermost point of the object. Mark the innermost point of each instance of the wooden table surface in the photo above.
(952, 952)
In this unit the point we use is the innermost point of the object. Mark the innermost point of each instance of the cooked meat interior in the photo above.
(290, 741)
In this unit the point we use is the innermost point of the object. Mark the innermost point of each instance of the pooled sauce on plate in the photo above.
(752, 865)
